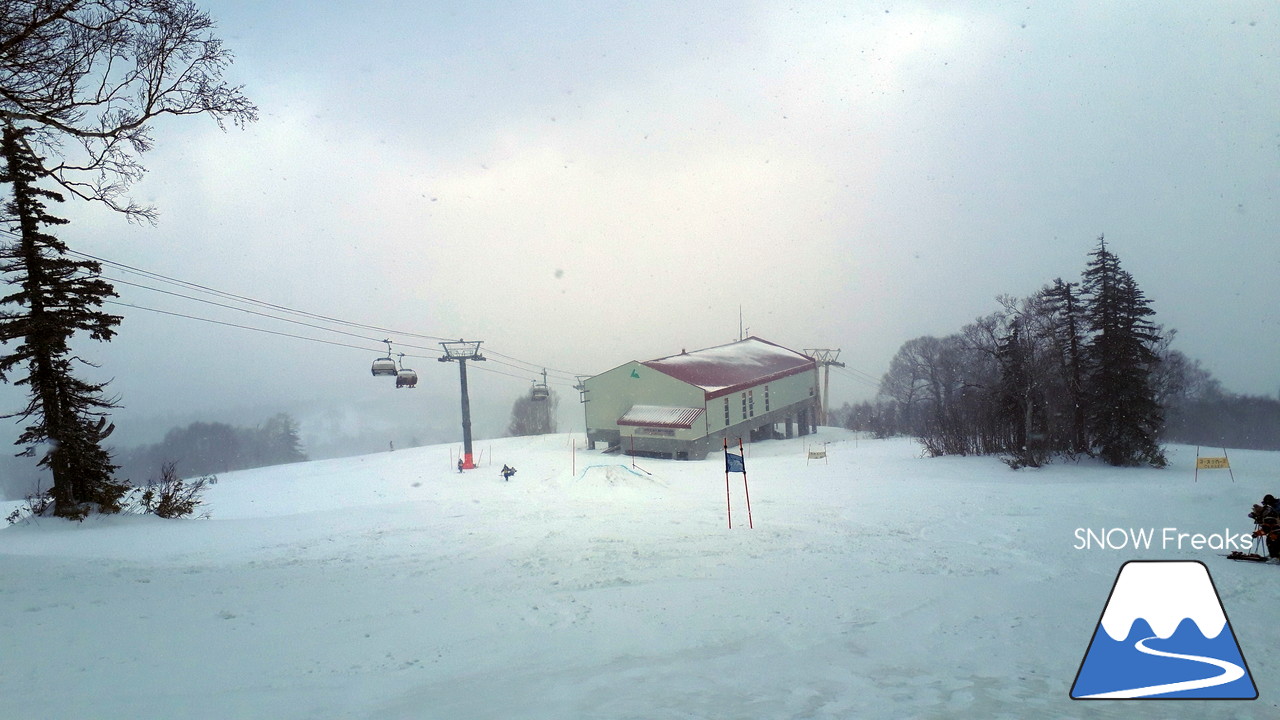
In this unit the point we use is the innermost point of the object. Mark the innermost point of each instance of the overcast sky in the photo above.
(584, 184)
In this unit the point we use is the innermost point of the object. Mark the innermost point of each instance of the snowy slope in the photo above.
(880, 585)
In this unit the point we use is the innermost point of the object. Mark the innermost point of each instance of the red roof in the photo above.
(724, 369)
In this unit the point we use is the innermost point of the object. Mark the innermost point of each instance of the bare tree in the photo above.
(95, 74)
(533, 417)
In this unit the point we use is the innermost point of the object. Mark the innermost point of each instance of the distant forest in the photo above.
(1079, 368)
(1212, 417)
(203, 448)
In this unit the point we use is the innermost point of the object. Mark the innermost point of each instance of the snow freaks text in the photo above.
(1160, 538)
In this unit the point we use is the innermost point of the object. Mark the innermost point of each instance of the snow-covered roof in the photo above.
(660, 416)
(723, 369)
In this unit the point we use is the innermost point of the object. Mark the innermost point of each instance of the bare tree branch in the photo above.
(100, 72)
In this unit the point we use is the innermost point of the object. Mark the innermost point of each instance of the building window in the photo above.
(726, 412)
(766, 398)
(751, 404)
(744, 406)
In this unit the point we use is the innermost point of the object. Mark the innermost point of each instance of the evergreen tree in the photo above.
(1124, 417)
(1064, 316)
(280, 440)
(55, 297)
(92, 75)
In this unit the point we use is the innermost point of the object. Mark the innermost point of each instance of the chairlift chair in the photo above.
(384, 365)
(539, 390)
(404, 376)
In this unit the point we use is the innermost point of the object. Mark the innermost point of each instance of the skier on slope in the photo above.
(1266, 525)
(507, 472)
(1269, 528)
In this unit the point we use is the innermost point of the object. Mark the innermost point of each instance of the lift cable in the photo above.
(232, 307)
(568, 380)
(234, 325)
(303, 337)
(282, 308)
(857, 378)
(250, 300)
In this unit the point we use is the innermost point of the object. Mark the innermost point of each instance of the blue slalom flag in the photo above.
(733, 463)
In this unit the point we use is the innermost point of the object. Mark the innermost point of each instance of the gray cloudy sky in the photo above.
(583, 184)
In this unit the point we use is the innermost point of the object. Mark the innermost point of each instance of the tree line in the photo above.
(206, 448)
(1218, 418)
(1202, 413)
(1078, 368)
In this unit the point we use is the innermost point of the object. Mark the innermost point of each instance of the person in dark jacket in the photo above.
(507, 472)
(1269, 528)
(1269, 507)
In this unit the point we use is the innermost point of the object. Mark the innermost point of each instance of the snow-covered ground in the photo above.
(878, 585)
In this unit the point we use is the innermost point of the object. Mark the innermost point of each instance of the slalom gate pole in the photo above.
(728, 506)
(745, 489)
(1196, 477)
(1229, 471)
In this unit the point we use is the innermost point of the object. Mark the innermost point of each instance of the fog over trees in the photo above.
(533, 415)
(204, 448)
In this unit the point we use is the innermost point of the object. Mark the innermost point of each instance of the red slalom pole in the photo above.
(745, 489)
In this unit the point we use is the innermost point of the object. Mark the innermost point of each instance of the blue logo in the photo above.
(1163, 635)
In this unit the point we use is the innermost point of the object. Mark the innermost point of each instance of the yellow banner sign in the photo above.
(1212, 463)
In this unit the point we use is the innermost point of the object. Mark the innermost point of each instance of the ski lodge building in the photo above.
(682, 406)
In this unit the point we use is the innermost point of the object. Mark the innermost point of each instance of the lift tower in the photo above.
(826, 359)
(462, 351)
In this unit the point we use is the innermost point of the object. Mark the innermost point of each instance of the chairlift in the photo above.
(539, 391)
(384, 365)
(404, 376)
